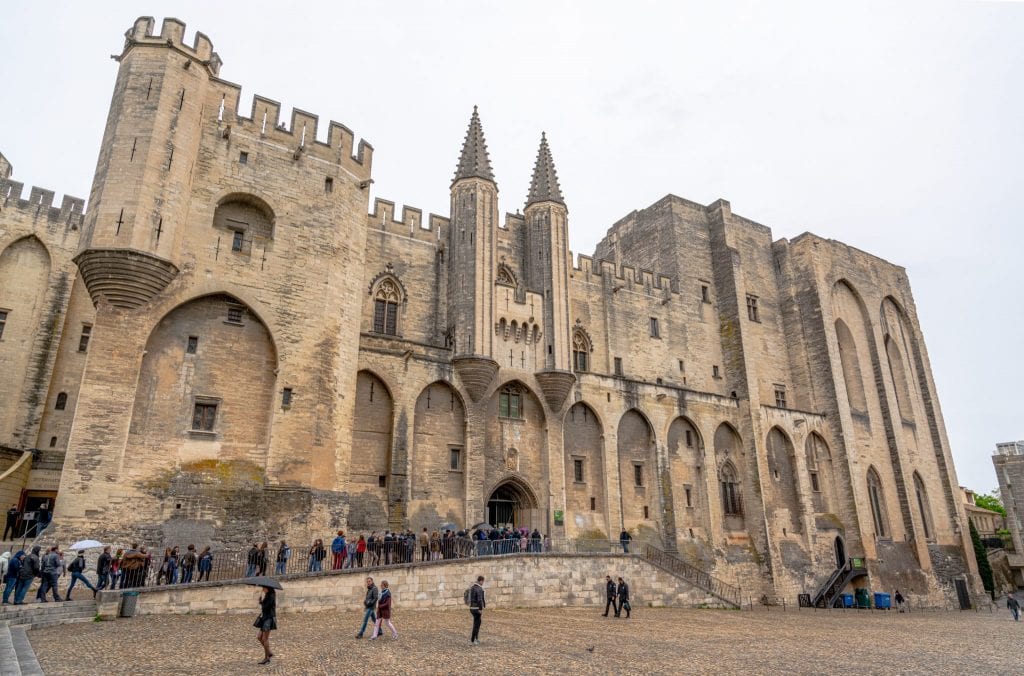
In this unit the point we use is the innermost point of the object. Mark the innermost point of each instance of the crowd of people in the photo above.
(393, 547)
(137, 566)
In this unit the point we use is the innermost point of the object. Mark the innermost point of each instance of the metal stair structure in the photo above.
(829, 594)
(725, 592)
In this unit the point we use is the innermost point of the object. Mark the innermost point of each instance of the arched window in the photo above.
(877, 499)
(62, 401)
(732, 498)
(510, 402)
(923, 507)
(580, 352)
(385, 307)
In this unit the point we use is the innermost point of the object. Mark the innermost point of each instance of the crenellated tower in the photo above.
(547, 264)
(472, 250)
(140, 193)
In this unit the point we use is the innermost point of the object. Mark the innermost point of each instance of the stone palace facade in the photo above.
(224, 345)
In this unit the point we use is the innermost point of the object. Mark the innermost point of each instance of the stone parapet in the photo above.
(529, 580)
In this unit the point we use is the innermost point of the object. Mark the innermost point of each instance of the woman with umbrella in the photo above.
(267, 621)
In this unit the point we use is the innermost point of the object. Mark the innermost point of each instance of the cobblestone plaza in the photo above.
(548, 640)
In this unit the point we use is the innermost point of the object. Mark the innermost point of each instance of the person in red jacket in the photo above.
(384, 612)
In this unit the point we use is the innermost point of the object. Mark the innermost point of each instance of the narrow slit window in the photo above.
(577, 470)
(286, 397)
(192, 345)
(638, 474)
(83, 339)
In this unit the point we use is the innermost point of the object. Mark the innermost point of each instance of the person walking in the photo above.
(317, 554)
(383, 612)
(164, 572)
(369, 605)
(424, 542)
(103, 568)
(77, 570)
(188, 564)
(12, 522)
(338, 549)
(51, 569)
(263, 559)
(115, 569)
(205, 564)
(252, 560)
(173, 564)
(477, 603)
(31, 568)
(133, 567)
(624, 538)
(610, 594)
(623, 593)
(12, 568)
(1014, 605)
(284, 552)
(435, 546)
(360, 550)
(898, 597)
(266, 622)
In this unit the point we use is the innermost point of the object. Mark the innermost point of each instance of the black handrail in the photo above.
(694, 575)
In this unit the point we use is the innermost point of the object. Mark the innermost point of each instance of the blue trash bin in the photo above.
(847, 600)
(883, 601)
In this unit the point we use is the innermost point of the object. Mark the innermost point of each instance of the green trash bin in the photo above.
(863, 597)
(129, 602)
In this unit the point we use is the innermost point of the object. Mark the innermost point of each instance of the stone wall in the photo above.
(545, 580)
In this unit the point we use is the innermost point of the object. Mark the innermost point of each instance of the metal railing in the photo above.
(232, 565)
(692, 574)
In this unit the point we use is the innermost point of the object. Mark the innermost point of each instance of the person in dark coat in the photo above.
(12, 522)
(267, 621)
(369, 605)
(383, 612)
(624, 538)
(610, 592)
(31, 568)
(623, 592)
(477, 603)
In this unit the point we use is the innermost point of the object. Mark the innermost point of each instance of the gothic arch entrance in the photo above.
(513, 505)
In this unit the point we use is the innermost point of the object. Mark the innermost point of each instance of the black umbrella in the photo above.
(263, 581)
(482, 526)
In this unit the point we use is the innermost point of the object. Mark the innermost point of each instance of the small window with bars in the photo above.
(577, 470)
(3, 321)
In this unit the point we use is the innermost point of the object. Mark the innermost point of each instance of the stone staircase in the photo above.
(16, 653)
(40, 615)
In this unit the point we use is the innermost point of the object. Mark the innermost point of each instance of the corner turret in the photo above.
(547, 263)
(472, 247)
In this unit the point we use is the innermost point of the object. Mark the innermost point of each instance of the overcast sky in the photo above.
(896, 129)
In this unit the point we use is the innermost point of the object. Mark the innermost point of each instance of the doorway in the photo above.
(840, 552)
(962, 595)
(510, 506)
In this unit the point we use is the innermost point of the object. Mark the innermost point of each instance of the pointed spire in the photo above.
(544, 184)
(474, 161)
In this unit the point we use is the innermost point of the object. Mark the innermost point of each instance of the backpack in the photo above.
(77, 566)
(467, 596)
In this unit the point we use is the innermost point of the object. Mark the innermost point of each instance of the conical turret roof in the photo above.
(544, 184)
(474, 161)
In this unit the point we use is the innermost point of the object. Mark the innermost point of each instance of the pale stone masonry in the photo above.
(225, 346)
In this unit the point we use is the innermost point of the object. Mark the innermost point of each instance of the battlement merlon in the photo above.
(40, 201)
(629, 277)
(411, 224)
(300, 136)
(172, 34)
